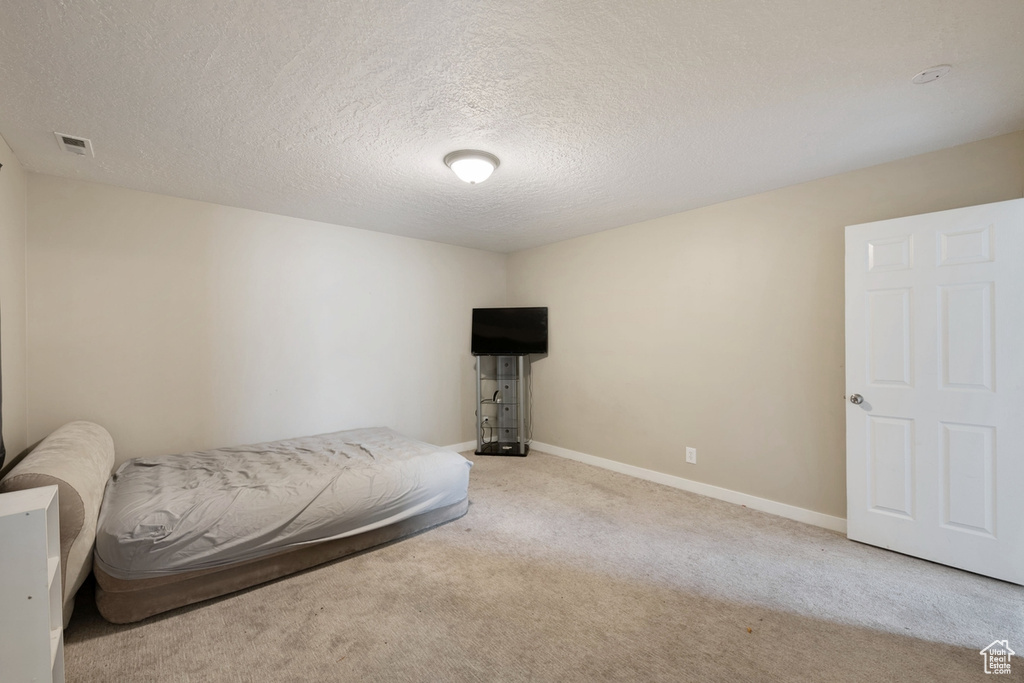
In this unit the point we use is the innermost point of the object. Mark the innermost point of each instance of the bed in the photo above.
(175, 530)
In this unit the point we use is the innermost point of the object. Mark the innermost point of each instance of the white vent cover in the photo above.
(79, 146)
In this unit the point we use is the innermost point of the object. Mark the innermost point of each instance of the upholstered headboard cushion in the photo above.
(78, 458)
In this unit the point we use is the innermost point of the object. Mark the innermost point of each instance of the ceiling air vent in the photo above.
(69, 143)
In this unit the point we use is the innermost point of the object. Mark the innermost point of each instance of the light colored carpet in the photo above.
(565, 572)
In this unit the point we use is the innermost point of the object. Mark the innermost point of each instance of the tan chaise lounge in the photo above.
(77, 458)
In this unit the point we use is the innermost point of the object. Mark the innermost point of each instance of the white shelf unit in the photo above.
(31, 620)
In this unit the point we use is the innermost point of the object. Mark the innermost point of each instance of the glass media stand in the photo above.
(502, 396)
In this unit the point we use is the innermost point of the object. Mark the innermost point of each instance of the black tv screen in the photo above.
(509, 331)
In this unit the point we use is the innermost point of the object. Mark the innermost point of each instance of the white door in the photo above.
(935, 352)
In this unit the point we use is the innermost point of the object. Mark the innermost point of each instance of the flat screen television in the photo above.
(510, 331)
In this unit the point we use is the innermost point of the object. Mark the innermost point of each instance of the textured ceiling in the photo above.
(602, 112)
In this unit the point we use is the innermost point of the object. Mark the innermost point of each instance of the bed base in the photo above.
(125, 601)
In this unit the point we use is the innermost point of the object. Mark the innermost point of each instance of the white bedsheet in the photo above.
(179, 513)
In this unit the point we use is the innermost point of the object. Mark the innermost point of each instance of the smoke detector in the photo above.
(80, 146)
(932, 74)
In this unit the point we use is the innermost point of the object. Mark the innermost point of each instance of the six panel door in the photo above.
(935, 348)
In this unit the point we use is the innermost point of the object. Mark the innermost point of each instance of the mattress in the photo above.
(170, 515)
(124, 602)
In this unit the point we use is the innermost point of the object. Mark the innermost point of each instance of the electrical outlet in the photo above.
(691, 455)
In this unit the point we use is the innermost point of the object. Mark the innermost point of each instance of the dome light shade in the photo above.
(471, 165)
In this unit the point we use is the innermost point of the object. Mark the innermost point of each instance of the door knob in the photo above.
(856, 399)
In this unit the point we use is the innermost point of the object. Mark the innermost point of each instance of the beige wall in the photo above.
(180, 324)
(722, 328)
(183, 325)
(12, 301)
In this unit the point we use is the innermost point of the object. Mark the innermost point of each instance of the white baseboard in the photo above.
(728, 495)
(460, 447)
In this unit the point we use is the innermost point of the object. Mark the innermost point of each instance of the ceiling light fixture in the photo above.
(472, 165)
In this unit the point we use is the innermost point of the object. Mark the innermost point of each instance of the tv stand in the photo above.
(502, 412)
